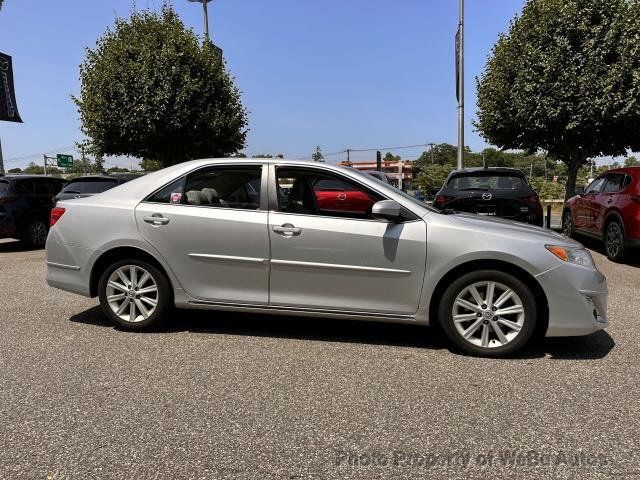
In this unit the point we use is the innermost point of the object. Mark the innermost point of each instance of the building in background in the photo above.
(400, 173)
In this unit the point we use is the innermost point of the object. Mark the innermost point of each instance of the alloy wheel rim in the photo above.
(132, 293)
(614, 240)
(488, 314)
(567, 224)
(37, 233)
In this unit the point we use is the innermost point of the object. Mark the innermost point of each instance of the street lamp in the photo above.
(460, 83)
(206, 16)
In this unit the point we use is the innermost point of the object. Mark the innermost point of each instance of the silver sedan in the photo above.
(317, 240)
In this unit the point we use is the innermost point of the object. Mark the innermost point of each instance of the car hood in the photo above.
(503, 227)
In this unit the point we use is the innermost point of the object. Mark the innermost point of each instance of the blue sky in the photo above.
(335, 73)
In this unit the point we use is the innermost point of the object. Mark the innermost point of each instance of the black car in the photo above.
(495, 191)
(25, 206)
(91, 185)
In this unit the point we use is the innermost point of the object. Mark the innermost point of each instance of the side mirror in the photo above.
(579, 191)
(387, 210)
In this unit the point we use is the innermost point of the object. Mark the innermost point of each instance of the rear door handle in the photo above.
(287, 230)
(156, 219)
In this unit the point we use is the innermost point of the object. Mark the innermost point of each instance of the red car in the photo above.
(609, 209)
(336, 196)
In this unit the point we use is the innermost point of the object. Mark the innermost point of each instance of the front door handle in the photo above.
(156, 219)
(287, 230)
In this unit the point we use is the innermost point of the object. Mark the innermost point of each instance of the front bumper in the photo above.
(577, 299)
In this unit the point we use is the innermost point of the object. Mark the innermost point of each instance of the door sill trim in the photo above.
(303, 311)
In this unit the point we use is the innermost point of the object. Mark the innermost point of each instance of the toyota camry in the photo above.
(318, 240)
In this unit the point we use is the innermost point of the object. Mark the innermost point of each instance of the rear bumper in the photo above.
(577, 299)
(8, 227)
(68, 266)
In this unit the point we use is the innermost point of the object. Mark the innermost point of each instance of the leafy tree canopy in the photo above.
(149, 89)
(564, 79)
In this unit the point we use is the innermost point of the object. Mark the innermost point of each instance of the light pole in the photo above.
(460, 84)
(431, 145)
(206, 16)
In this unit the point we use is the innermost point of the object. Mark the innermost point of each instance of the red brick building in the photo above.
(400, 173)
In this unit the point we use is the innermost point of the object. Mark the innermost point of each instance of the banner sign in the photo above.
(8, 106)
(458, 64)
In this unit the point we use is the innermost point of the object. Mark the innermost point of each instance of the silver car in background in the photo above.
(227, 235)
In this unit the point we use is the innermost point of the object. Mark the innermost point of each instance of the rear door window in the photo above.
(224, 187)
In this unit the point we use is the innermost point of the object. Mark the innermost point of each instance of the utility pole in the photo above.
(460, 84)
(431, 145)
(206, 16)
(84, 161)
(348, 157)
(1, 159)
(44, 157)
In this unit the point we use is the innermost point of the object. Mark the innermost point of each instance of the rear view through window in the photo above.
(487, 182)
(87, 185)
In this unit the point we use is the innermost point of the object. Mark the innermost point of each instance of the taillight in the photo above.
(531, 199)
(56, 214)
(7, 199)
(442, 199)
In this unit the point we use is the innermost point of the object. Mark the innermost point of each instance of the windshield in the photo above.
(86, 185)
(395, 190)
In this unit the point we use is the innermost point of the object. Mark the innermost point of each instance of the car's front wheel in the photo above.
(488, 313)
(568, 227)
(134, 294)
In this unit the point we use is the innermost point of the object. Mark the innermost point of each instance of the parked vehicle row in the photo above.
(26, 201)
(276, 236)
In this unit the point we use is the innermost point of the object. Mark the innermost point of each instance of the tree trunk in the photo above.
(572, 176)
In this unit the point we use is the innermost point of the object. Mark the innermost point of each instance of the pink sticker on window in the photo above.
(176, 197)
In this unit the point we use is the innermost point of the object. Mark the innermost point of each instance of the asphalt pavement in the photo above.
(219, 395)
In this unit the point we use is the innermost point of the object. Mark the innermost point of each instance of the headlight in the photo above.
(576, 255)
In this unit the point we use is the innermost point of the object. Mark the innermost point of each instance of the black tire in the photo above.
(164, 297)
(568, 227)
(34, 232)
(527, 321)
(614, 241)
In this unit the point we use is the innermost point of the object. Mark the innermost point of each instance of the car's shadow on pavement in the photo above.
(590, 347)
(632, 256)
(11, 246)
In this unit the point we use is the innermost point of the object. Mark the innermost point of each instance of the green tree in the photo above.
(432, 177)
(564, 80)
(317, 155)
(149, 89)
(149, 165)
(116, 169)
(631, 162)
(35, 169)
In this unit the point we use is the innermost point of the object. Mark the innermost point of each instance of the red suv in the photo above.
(609, 209)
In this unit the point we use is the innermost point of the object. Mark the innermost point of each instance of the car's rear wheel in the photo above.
(614, 241)
(134, 294)
(568, 227)
(34, 232)
(488, 313)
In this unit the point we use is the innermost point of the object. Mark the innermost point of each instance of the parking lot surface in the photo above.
(219, 395)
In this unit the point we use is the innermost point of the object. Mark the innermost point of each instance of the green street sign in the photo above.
(64, 160)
